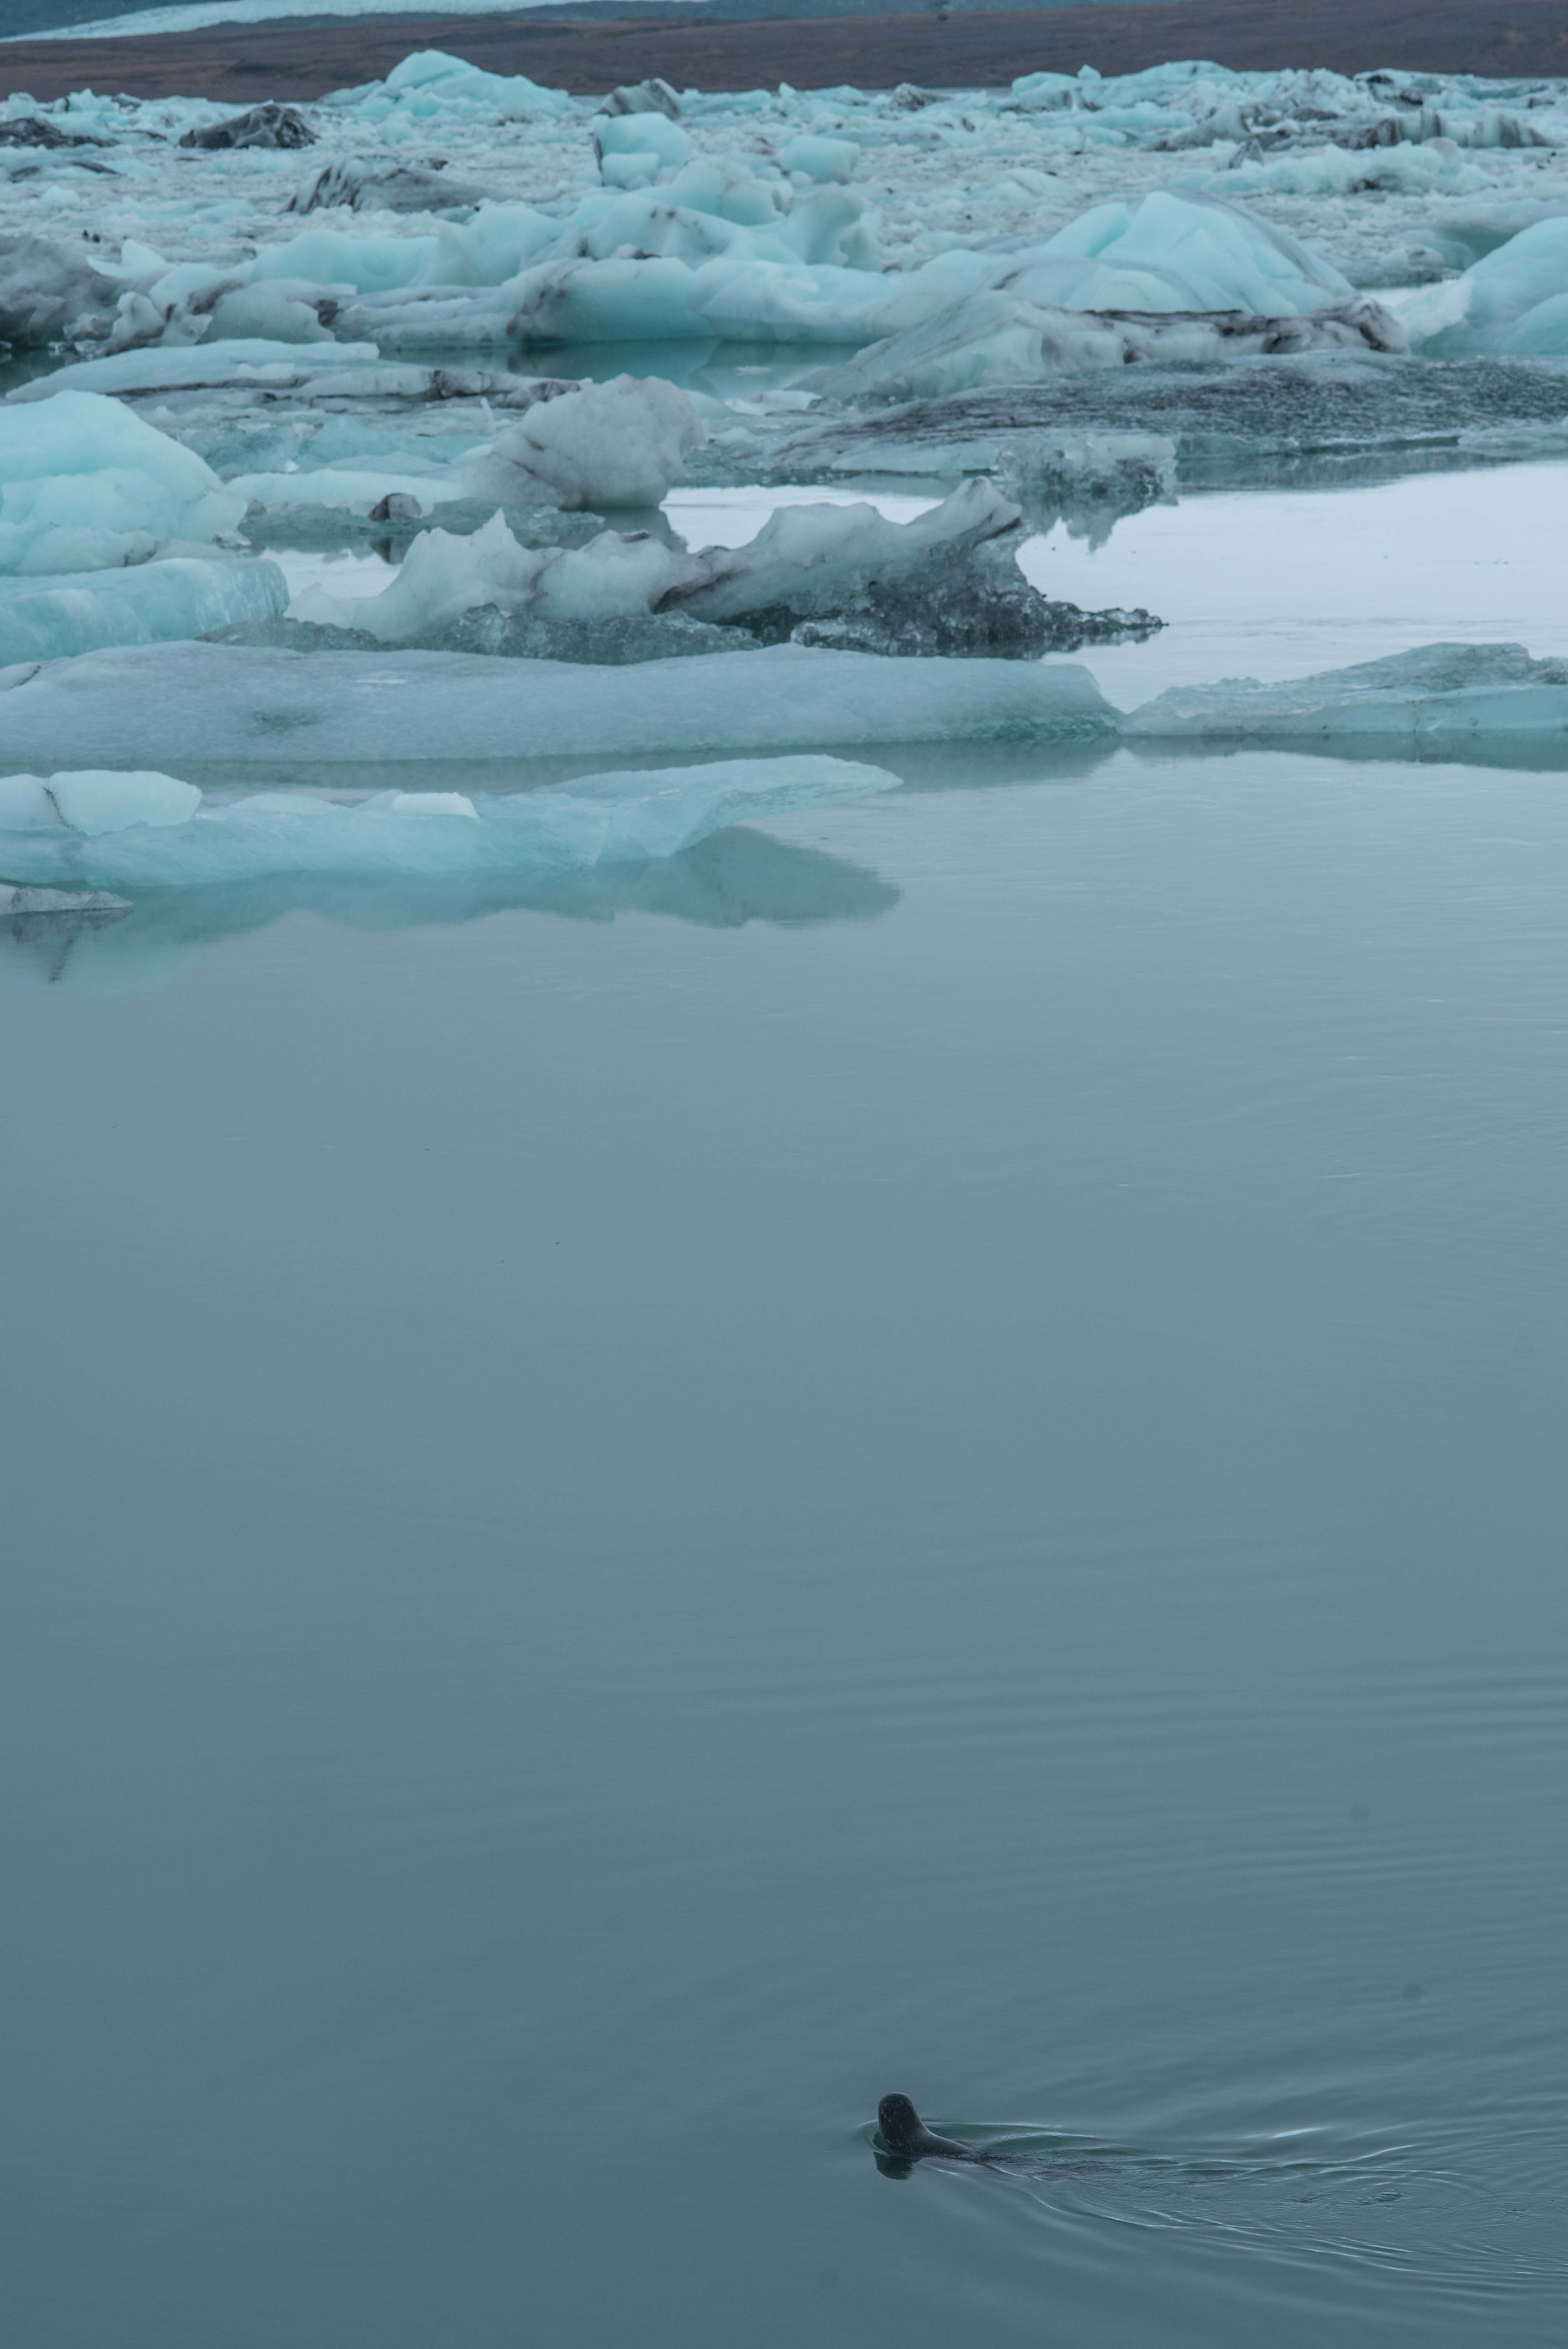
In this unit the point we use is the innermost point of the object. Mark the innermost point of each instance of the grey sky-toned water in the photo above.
(925, 1453)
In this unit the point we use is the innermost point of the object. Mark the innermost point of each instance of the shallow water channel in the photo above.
(920, 1450)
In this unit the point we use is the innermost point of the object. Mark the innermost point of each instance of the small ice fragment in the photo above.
(95, 801)
(817, 157)
(433, 804)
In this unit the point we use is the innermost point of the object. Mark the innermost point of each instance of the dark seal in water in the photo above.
(907, 2138)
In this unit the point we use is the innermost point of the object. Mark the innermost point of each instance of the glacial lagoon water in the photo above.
(921, 1450)
(917, 1447)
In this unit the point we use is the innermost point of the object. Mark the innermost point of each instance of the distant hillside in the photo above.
(961, 48)
(19, 18)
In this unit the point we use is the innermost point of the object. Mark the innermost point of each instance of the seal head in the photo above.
(907, 2138)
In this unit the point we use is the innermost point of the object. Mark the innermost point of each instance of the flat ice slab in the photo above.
(1439, 693)
(206, 705)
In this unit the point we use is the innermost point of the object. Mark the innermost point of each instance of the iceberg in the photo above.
(206, 706)
(85, 484)
(429, 84)
(1453, 697)
(87, 832)
(1177, 251)
(606, 445)
(1510, 303)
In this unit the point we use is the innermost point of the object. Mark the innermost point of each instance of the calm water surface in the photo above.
(924, 1451)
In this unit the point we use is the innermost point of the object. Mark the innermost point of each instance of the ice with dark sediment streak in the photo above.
(207, 705)
(948, 582)
(89, 832)
(1003, 337)
(253, 362)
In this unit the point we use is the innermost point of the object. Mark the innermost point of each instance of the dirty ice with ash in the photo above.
(344, 441)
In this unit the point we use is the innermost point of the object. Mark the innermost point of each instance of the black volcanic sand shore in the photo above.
(1523, 37)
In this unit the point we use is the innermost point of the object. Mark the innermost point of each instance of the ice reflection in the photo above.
(731, 879)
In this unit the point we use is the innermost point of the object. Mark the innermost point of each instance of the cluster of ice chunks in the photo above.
(679, 241)
(945, 584)
(676, 244)
(606, 446)
(674, 268)
(85, 831)
(1195, 105)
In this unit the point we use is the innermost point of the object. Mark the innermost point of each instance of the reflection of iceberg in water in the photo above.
(732, 878)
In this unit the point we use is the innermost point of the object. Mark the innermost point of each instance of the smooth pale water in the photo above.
(923, 1451)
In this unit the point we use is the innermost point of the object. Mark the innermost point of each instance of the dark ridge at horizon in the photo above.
(964, 46)
(20, 18)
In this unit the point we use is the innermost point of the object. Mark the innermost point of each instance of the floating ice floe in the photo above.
(946, 583)
(84, 832)
(1457, 697)
(254, 364)
(203, 705)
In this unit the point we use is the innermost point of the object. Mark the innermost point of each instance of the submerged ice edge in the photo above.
(89, 831)
(199, 706)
